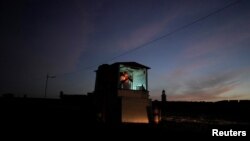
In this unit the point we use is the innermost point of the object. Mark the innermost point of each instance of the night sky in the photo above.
(206, 61)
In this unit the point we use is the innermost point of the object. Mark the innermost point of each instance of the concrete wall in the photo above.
(134, 106)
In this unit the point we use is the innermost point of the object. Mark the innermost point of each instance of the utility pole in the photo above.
(46, 83)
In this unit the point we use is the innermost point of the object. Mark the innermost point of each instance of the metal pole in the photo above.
(46, 85)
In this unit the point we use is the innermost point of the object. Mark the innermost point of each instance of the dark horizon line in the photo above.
(85, 95)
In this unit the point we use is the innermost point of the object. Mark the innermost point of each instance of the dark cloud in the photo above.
(212, 81)
(207, 88)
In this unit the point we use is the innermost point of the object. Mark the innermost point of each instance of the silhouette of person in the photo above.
(142, 87)
(125, 80)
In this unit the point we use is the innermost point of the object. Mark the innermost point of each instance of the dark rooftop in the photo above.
(132, 64)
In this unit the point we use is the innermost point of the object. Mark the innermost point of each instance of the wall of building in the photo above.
(134, 106)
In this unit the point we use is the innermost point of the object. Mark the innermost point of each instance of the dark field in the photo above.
(78, 116)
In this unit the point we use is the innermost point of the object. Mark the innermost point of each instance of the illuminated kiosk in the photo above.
(121, 92)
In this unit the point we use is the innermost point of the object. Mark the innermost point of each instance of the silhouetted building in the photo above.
(163, 96)
(121, 92)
